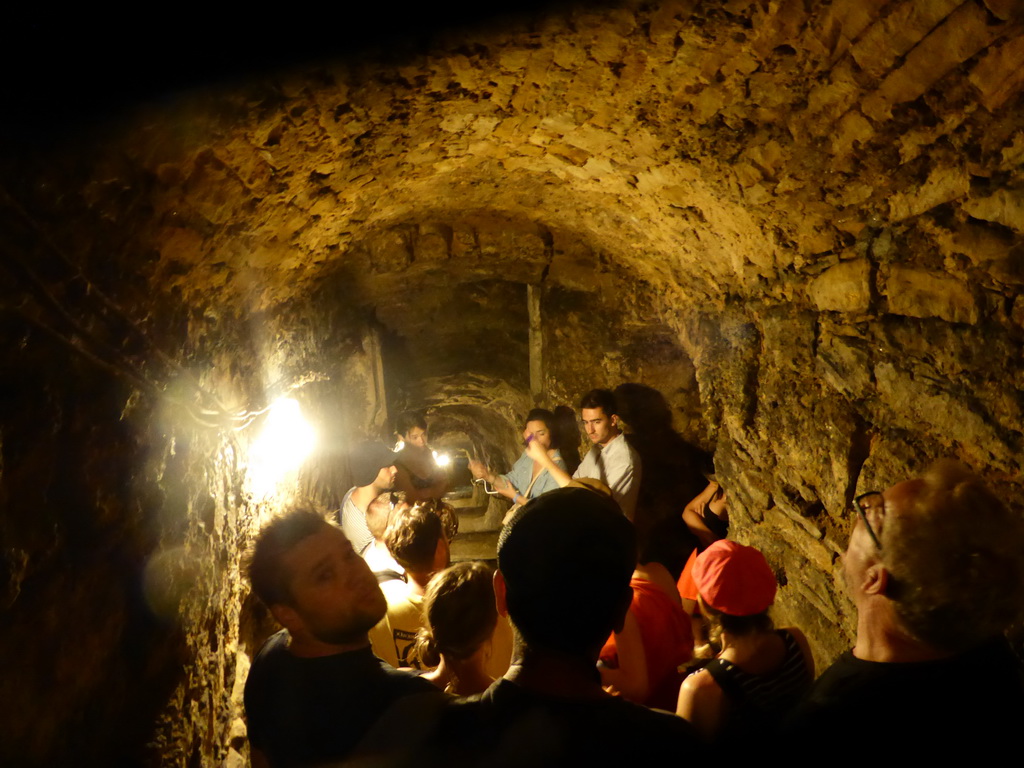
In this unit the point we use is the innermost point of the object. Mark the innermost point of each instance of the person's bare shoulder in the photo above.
(700, 682)
(699, 693)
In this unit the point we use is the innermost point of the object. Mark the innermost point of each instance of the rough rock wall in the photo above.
(120, 526)
(820, 200)
(126, 632)
(593, 341)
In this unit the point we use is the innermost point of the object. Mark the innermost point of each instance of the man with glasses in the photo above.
(935, 567)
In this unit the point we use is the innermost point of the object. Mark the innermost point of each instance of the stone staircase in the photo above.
(480, 518)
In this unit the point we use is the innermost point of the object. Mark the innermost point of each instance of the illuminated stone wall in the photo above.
(801, 222)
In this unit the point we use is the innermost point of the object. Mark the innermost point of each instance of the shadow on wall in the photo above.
(567, 436)
(98, 496)
(674, 471)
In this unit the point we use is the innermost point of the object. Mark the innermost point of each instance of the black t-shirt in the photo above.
(507, 725)
(304, 711)
(715, 524)
(973, 701)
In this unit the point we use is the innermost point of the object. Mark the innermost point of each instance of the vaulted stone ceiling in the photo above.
(800, 221)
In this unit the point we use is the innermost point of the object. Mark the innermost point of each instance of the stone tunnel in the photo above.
(796, 225)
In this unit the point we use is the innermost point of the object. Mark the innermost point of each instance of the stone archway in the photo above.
(800, 222)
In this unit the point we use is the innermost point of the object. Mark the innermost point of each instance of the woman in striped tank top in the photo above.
(740, 697)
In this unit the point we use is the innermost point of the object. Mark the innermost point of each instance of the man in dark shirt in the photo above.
(315, 687)
(564, 565)
(936, 569)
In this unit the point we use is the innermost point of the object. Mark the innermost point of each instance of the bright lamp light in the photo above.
(283, 444)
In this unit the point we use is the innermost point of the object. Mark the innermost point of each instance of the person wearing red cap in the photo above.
(760, 673)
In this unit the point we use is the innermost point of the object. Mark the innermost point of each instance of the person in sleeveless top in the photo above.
(759, 674)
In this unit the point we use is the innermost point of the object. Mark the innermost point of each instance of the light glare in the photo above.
(284, 443)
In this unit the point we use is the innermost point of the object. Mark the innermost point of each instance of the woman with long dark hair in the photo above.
(527, 479)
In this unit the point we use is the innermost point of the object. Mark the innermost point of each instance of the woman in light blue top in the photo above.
(527, 478)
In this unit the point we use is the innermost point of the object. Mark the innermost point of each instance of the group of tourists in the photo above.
(590, 644)
(611, 460)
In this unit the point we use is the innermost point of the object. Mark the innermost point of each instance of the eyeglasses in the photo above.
(866, 501)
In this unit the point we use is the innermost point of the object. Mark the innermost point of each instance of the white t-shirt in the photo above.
(617, 465)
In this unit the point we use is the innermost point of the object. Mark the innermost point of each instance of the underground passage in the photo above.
(787, 235)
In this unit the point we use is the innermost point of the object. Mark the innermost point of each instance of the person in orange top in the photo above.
(641, 662)
(707, 517)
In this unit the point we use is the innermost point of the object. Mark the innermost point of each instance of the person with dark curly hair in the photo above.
(416, 538)
(417, 474)
(315, 688)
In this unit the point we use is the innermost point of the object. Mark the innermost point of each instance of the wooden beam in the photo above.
(536, 343)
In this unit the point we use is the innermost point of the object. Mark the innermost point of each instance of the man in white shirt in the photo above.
(611, 459)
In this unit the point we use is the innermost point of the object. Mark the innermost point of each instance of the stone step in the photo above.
(481, 545)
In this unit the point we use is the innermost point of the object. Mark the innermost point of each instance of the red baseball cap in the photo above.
(734, 579)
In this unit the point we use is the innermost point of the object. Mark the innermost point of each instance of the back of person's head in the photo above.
(566, 559)
(955, 560)
(379, 511)
(736, 588)
(445, 511)
(459, 611)
(600, 398)
(409, 419)
(267, 573)
(412, 537)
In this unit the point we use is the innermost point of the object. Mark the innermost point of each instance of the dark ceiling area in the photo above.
(68, 68)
